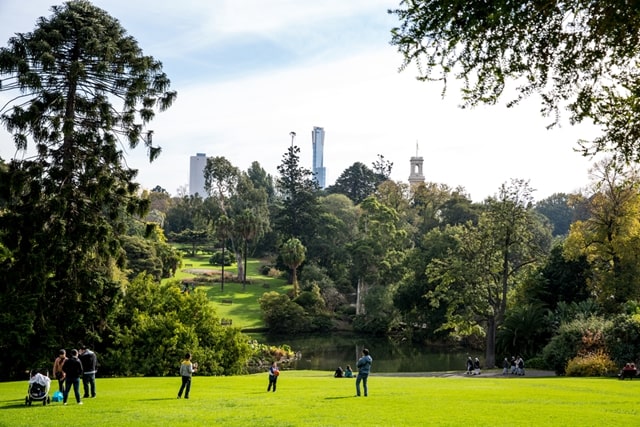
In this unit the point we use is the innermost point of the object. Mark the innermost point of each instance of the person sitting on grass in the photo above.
(339, 373)
(348, 373)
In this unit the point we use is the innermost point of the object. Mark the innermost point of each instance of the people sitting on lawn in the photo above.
(339, 373)
(629, 371)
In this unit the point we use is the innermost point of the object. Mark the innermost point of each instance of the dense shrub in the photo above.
(580, 336)
(217, 258)
(282, 315)
(155, 325)
(535, 363)
(596, 364)
(623, 339)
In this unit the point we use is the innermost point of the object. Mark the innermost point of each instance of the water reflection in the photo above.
(327, 352)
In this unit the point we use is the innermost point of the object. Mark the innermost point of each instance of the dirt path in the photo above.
(490, 373)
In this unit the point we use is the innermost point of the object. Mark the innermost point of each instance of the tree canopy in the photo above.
(81, 84)
(579, 55)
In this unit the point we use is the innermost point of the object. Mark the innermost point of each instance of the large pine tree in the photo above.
(84, 88)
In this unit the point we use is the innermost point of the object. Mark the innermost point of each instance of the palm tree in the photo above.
(293, 254)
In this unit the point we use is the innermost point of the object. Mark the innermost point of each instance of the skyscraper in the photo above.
(317, 139)
(196, 175)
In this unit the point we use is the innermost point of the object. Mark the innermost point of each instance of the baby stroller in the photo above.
(38, 388)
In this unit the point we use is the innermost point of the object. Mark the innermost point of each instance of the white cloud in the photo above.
(364, 104)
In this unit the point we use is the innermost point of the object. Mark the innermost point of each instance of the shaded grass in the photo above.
(314, 398)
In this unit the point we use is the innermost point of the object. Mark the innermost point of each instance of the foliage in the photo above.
(580, 336)
(558, 280)
(297, 214)
(357, 182)
(381, 316)
(293, 254)
(65, 206)
(596, 364)
(488, 260)
(282, 315)
(218, 258)
(623, 338)
(525, 331)
(158, 324)
(558, 209)
(610, 237)
(577, 55)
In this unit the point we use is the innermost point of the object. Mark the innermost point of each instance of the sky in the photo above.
(249, 72)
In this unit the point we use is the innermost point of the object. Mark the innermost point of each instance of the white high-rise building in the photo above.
(317, 139)
(197, 164)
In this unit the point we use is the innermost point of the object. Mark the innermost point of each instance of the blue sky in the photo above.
(248, 72)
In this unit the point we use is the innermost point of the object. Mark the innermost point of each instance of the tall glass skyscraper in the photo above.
(196, 175)
(317, 139)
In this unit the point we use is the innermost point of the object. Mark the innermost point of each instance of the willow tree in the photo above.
(579, 55)
(83, 88)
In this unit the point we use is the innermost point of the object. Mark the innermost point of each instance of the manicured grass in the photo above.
(244, 309)
(312, 398)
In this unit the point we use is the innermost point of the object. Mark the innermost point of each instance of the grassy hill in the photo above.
(243, 309)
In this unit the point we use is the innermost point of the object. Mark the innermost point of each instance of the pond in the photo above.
(327, 352)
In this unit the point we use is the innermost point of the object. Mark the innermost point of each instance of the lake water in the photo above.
(327, 352)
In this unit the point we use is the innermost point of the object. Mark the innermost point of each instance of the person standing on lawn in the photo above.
(186, 371)
(89, 368)
(274, 373)
(58, 373)
(72, 368)
(364, 367)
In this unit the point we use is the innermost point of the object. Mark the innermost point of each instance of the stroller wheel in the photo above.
(26, 401)
(44, 402)
(29, 402)
(48, 400)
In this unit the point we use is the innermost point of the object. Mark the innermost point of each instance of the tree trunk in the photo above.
(294, 276)
(490, 355)
(360, 294)
(222, 275)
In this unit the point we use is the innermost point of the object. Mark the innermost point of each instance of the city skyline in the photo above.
(248, 72)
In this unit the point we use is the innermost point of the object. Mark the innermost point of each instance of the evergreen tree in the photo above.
(65, 206)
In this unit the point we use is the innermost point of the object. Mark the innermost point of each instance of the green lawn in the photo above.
(312, 398)
(244, 309)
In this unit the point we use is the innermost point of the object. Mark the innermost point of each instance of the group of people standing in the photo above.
(68, 371)
(515, 366)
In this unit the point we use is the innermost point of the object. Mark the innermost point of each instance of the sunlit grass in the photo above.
(313, 398)
(244, 310)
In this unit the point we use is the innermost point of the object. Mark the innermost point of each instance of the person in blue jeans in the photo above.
(72, 368)
(186, 371)
(364, 367)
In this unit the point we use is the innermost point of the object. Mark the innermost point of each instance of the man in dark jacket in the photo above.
(72, 369)
(89, 366)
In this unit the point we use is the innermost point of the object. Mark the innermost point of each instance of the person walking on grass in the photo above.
(364, 367)
(274, 373)
(72, 368)
(186, 371)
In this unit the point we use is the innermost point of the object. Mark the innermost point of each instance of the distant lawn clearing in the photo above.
(243, 309)
(313, 398)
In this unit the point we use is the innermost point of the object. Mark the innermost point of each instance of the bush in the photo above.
(217, 259)
(536, 363)
(580, 336)
(596, 364)
(623, 338)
